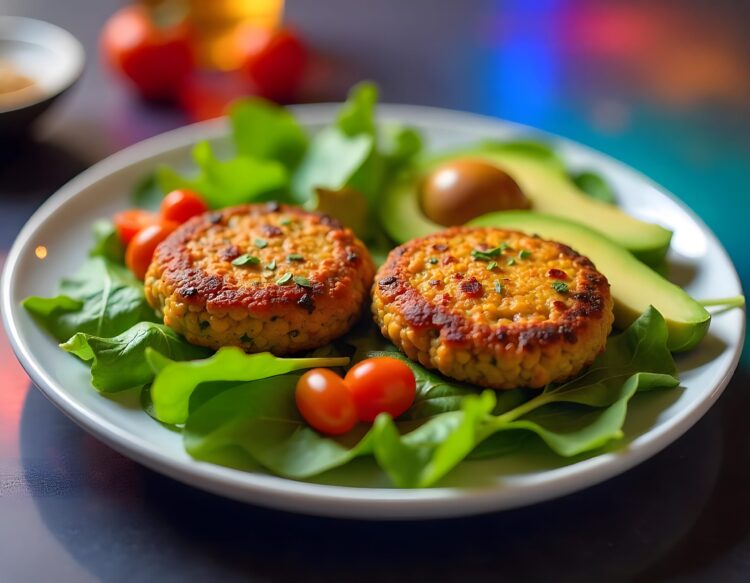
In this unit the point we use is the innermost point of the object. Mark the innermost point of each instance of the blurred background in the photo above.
(663, 86)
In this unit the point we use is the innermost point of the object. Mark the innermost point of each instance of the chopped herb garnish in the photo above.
(560, 287)
(492, 265)
(271, 266)
(285, 221)
(487, 254)
(246, 259)
(504, 247)
(294, 257)
(432, 260)
(302, 281)
(499, 287)
(524, 254)
(284, 279)
(511, 261)
(261, 243)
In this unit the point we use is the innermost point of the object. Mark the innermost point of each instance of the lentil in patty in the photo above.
(265, 277)
(493, 307)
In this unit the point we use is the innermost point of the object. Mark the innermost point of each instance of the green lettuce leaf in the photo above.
(102, 299)
(176, 381)
(228, 182)
(265, 131)
(147, 193)
(262, 419)
(119, 363)
(107, 243)
(447, 422)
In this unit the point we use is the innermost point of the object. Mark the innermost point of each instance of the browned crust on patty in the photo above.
(588, 303)
(173, 264)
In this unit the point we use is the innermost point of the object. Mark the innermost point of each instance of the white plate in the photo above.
(655, 420)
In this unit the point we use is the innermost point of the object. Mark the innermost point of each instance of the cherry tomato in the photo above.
(381, 385)
(140, 250)
(274, 61)
(128, 223)
(181, 205)
(325, 402)
(156, 59)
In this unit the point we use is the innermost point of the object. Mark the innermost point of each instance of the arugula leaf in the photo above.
(176, 381)
(595, 186)
(102, 299)
(399, 146)
(263, 130)
(229, 182)
(119, 363)
(107, 243)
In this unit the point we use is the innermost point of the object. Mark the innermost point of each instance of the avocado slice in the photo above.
(542, 178)
(634, 285)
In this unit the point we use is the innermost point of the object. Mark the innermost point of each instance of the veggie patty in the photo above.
(265, 277)
(493, 307)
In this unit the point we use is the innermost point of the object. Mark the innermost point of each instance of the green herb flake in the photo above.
(294, 257)
(285, 221)
(302, 281)
(246, 259)
(511, 261)
(284, 279)
(271, 266)
(499, 287)
(487, 254)
(432, 260)
(492, 265)
(560, 287)
(261, 243)
(524, 254)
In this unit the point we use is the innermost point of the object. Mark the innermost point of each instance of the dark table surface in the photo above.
(663, 86)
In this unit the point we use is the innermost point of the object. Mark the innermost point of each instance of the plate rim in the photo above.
(331, 500)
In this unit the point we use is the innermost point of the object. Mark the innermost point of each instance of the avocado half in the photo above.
(543, 180)
(634, 285)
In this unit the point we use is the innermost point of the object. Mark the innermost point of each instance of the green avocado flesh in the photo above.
(545, 184)
(634, 285)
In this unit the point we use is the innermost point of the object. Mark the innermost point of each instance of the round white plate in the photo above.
(359, 490)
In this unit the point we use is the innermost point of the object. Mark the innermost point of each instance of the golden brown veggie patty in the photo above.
(262, 277)
(492, 307)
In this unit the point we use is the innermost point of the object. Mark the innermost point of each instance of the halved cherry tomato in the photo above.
(381, 385)
(325, 402)
(140, 250)
(128, 223)
(181, 205)
(274, 61)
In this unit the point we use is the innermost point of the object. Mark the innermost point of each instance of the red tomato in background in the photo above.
(381, 385)
(325, 402)
(181, 205)
(128, 223)
(141, 249)
(156, 59)
(274, 61)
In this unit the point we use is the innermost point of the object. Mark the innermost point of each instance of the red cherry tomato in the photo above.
(325, 402)
(381, 385)
(140, 250)
(156, 59)
(274, 61)
(181, 205)
(128, 223)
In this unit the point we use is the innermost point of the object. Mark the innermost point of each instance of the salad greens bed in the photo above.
(239, 409)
